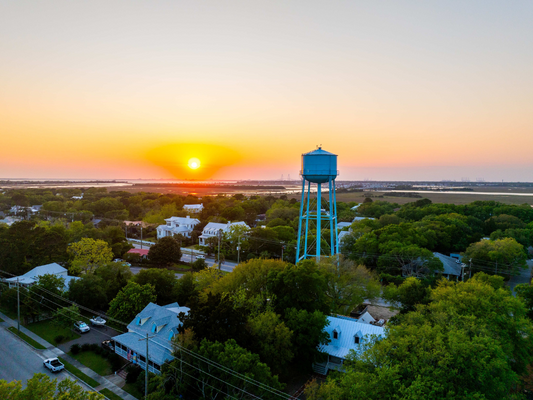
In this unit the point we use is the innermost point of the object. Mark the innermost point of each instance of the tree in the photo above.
(130, 301)
(89, 291)
(407, 295)
(214, 319)
(308, 334)
(115, 275)
(505, 256)
(41, 387)
(66, 316)
(271, 340)
(209, 380)
(199, 265)
(165, 252)
(185, 289)
(524, 292)
(163, 281)
(88, 254)
(471, 341)
(302, 286)
(347, 284)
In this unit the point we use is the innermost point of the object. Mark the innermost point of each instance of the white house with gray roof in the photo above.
(212, 229)
(193, 208)
(345, 334)
(31, 277)
(159, 322)
(177, 225)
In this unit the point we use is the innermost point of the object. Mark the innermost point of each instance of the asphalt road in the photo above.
(19, 362)
(524, 277)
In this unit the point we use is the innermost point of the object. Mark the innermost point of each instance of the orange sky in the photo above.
(122, 90)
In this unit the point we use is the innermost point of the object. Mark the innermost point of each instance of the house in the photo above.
(452, 267)
(78, 197)
(342, 225)
(31, 277)
(361, 218)
(161, 323)
(36, 208)
(193, 208)
(10, 220)
(345, 334)
(212, 229)
(177, 225)
(356, 207)
(142, 252)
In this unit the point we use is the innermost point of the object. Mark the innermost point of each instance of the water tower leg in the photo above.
(332, 228)
(318, 219)
(307, 218)
(300, 222)
(336, 219)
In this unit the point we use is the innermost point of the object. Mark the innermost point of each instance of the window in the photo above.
(335, 334)
(142, 358)
(356, 339)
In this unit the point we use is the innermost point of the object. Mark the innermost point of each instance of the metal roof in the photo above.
(319, 152)
(347, 329)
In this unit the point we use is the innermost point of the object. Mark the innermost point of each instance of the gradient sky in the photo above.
(399, 90)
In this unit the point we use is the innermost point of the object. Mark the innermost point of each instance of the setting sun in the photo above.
(194, 163)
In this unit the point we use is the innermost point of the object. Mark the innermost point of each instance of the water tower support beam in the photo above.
(332, 229)
(307, 218)
(318, 219)
(336, 221)
(300, 222)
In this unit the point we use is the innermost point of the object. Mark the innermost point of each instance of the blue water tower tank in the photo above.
(319, 166)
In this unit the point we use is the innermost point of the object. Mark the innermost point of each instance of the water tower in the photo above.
(318, 166)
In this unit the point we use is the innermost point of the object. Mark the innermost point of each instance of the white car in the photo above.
(200, 257)
(81, 327)
(54, 365)
(98, 321)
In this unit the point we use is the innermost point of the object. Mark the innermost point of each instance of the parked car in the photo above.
(109, 345)
(200, 257)
(53, 364)
(81, 327)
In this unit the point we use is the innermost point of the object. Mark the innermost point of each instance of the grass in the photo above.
(94, 361)
(76, 372)
(110, 395)
(131, 388)
(1, 320)
(26, 338)
(49, 329)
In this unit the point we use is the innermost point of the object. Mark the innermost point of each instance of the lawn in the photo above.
(110, 395)
(94, 361)
(76, 372)
(26, 338)
(131, 388)
(49, 329)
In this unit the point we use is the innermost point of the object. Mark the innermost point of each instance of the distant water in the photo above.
(457, 192)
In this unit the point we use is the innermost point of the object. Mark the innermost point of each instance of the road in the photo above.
(18, 361)
(524, 277)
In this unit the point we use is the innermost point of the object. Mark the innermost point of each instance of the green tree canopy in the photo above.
(88, 254)
(130, 301)
(165, 252)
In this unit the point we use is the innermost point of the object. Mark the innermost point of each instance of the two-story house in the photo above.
(175, 225)
(212, 229)
(161, 323)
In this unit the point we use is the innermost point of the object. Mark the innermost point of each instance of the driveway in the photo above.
(96, 335)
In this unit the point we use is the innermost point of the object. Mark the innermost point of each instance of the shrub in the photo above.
(75, 348)
(133, 373)
(115, 360)
(59, 338)
(86, 347)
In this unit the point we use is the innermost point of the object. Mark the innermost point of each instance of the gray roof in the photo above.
(33, 275)
(161, 322)
(451, 266)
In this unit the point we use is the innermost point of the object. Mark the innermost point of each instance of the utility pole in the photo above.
(146, 376)
(18, 306)
(282, 248)
(238, 249)
(141, 236)
(470, 272)
(219, 239)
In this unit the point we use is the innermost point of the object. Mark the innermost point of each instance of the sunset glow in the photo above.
(194, 163)
(419, 91)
